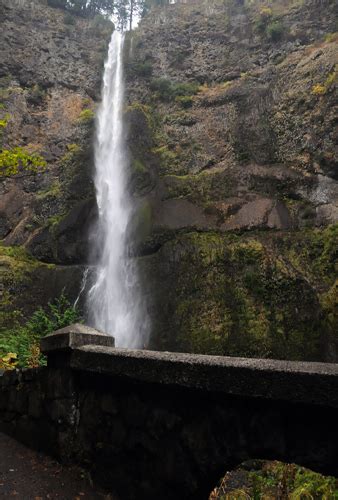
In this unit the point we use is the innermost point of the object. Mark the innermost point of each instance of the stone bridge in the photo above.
(165, 425)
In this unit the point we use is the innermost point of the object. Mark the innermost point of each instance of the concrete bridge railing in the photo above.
(165, 425)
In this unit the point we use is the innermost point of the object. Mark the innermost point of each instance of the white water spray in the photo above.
(114, 299)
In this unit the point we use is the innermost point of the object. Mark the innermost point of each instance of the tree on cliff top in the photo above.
(86, 8)
(125, 11)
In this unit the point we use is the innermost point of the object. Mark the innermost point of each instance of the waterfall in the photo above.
(114, 298)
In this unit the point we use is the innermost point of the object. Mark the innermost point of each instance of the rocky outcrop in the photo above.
(50, 73)
(50, 79)
(230, 113)
(236, 106)
(259, 478)
(258, 129)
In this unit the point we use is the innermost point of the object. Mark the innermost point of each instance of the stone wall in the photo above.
(165, 425)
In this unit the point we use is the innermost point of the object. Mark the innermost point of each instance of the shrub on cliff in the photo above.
(61, 4)
(103, 27)
(18, 160)
(274, 31)
(184, 100)
(263, 19)
(267, 25)
(69, 19)
(144, 69)
(35, 95)
(85, 8)
(323, 88)
(263, 479)
(166, 90)
(162, 87)
(86, 116)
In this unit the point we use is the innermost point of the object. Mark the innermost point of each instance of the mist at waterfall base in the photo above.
(114, 298)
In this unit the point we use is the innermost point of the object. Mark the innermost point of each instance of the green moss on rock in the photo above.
(53, 191)
(145, 110)
(247, 295)
(256, 479)
(141, 179)
(200, 188)
(141, 223)
(17, 267)
(86, 116)
(16, 262)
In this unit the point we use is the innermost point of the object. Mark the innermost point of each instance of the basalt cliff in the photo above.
(230, 113)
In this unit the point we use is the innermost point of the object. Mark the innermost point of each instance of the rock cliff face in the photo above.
(230, 119)
(231, 114)
(50, 74)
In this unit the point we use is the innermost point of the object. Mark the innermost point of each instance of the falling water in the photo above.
(82, 287)
(114, 299)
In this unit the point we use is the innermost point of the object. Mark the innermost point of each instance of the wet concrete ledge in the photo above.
(301, 382)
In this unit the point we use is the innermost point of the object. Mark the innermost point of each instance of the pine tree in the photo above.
(126, 11)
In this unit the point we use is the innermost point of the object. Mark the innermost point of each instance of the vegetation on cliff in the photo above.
(124, 11)
(258, 479)
(229, 123)
(234, 163)
(232, 166)
(247, 295)
(18, 161)
(20, 341)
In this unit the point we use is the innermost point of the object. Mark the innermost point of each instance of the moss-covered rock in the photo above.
(141, 125)
(240, 258)
(253, 295)
(28, 283)
(256, 479)
(51, 120)
(141, 224)
(202, 187)
(141, 180)
(233, 192)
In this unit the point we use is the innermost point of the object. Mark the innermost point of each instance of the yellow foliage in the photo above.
(203, 88)
(321, 89)
(86, 115)
(225, 85)
(73, 148)
(4, 121)
(330, 80)
(318, 89)
(33, 360)
(331, 37)
(9, 361)
(13, 161)
(266, 12)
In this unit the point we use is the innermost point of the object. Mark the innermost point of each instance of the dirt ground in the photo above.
(28, 475)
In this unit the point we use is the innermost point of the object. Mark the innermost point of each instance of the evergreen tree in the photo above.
(86, 8)
(125, 12)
